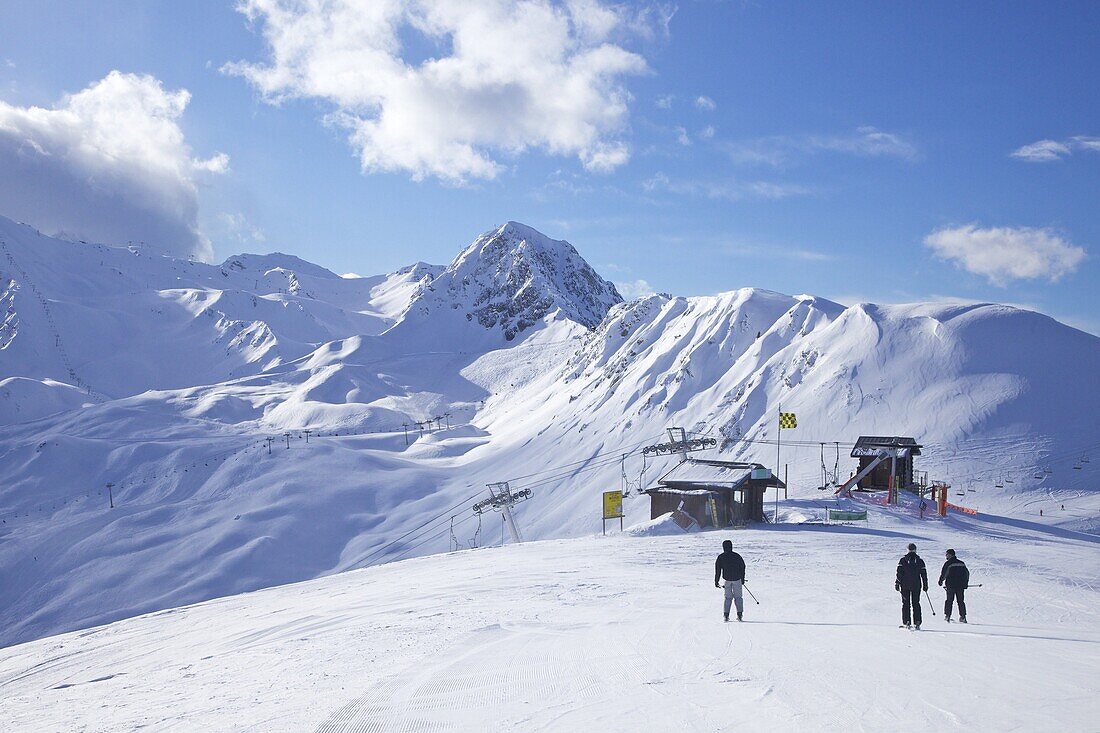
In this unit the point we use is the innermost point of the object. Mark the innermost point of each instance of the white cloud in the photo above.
(724, 190)
(1087, 143)
(502, 77)
(1004, 254)
(218, 163)
(634, 289)
(705, 103)
(1042, 151)
(776, 252)
(682, 135)
(605, 157)
(109, 164)
(665, 102)
(866, 142)
(238, 227)
(707, 132)
(1048, 151)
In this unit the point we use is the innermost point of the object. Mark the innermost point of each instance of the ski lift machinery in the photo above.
(828, 481)
(502, 499)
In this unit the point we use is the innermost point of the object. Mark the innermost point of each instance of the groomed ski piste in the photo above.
(622, 632)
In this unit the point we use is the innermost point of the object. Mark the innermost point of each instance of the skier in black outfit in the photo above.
(954, 578)
(912, 576)
(730, 566)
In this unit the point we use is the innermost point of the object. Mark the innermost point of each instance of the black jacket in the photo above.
(730, 566)
(955, 575)
(911, 572)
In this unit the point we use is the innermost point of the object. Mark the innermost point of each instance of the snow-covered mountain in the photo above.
(163, 377)
(507, 282)
(118, 321)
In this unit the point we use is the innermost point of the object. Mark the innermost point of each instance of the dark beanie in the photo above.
(727, 545)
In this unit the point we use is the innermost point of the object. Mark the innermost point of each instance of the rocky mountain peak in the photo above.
(511, 277)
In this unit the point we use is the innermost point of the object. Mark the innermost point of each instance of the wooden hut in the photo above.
(713, 493)
(900, 452)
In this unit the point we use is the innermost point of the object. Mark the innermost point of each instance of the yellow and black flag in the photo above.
(787, 420)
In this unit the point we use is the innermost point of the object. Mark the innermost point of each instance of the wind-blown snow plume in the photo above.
(498, 77)
(108, 164)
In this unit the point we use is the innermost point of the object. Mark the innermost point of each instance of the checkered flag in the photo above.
(787, 420)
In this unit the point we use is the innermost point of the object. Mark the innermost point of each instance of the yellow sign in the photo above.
(612, 504)
(787, 420)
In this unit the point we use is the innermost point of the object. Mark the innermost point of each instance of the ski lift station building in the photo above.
(713, 493)
(878, 450)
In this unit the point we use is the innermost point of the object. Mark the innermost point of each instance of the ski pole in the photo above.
(930, 604)
(750, 592)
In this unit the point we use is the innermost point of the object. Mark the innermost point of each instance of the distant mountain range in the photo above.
(163, 377)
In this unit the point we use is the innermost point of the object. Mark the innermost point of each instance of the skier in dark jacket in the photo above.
(912, 577)
(730, 566)
(954, 578)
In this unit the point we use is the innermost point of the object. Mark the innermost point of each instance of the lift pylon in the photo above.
(502, 499)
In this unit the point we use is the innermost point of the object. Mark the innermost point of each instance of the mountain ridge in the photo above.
(194, 385)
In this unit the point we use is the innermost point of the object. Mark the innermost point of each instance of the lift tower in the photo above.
(502, 499)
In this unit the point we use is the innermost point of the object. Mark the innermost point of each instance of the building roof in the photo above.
(696, 473)
(872, 445)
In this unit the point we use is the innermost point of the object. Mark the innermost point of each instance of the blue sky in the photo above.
(886, 151)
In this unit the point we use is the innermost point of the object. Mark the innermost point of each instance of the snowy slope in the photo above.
(183, 369)
(940, 372)
(617, 633)
(119, 321)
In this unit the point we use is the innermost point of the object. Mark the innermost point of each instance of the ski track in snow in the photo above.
(615, 633)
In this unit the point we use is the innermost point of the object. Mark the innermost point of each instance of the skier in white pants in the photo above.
(731, 567)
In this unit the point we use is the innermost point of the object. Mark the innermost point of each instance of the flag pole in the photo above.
(778, 440)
